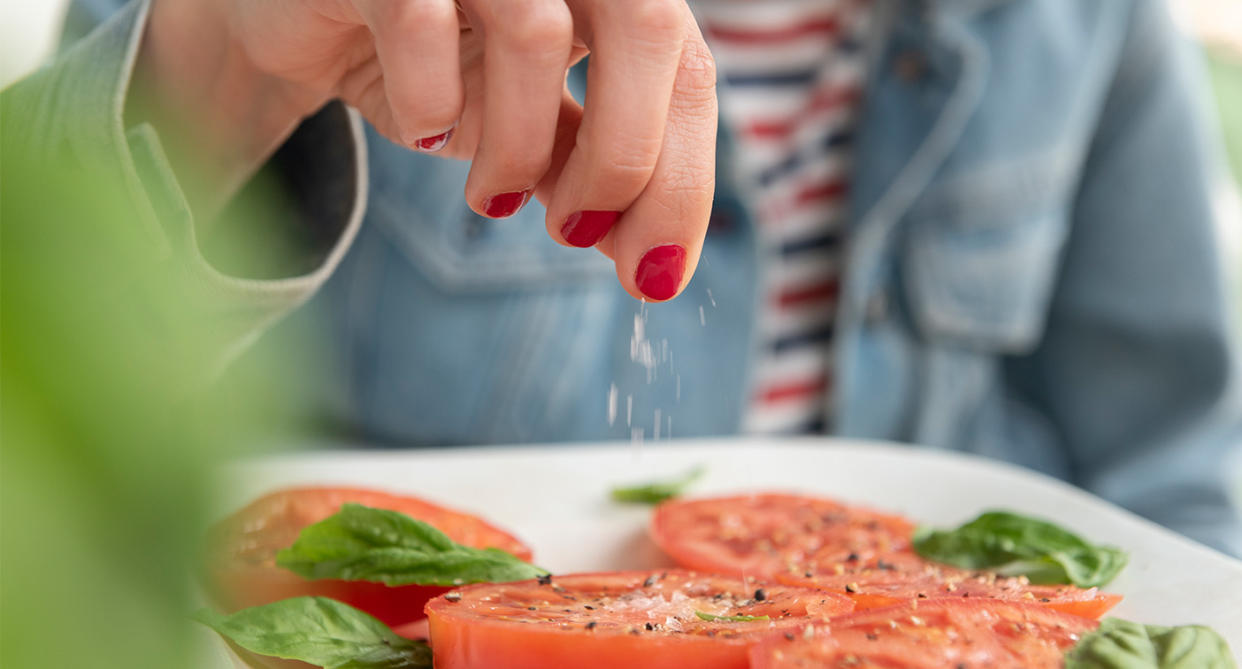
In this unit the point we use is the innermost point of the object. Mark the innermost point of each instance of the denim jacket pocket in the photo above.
(982, 253)
(417, 202)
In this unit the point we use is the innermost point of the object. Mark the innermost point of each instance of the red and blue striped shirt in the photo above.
(791, 78)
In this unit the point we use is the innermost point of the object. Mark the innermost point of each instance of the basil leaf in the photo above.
(729, 619)
(1014, 545)
(320, 631)
(656, 492)
(359, 543)
(1120, 644)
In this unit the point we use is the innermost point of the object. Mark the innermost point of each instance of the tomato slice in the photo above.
(905, 577)
(821, 543)
(241, 568)
(616, 620)
(945, 633)
(763, 535)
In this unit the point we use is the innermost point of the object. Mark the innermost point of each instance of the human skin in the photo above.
(629, 173)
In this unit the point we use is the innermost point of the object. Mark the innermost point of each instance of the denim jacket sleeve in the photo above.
(71, 113)
(1136, 367)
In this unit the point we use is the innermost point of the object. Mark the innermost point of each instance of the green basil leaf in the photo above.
(1014, 545)
(359, 543)
(1120, 644)
(319, 631)
(656, 492)
(729, 619)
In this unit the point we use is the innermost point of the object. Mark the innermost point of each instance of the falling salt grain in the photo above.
(702, 317)
(656, 435)
(641, 350)
(612, 404)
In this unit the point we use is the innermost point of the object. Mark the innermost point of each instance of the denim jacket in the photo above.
(1030, 271)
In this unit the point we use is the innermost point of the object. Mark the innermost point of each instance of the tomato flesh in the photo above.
(623, 619)
(761, 535)
(945, 633)
(241, 569)
(904, 577)
(821, 543)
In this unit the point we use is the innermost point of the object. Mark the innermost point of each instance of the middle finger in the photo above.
(527, 46)
(635, 48)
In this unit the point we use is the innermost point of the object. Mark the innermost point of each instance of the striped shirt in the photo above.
(791, 74)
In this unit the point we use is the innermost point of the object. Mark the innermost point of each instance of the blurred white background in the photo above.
(27, 35)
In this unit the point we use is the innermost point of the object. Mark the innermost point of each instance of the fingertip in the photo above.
(660, 272)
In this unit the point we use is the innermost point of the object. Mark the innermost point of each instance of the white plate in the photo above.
(555, 499)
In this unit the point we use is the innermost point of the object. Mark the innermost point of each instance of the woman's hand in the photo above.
(632, 173)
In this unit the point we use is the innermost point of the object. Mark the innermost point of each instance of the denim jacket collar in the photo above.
(954, 70)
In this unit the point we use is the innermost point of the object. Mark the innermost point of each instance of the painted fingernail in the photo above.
(660, 271)
(585, 228)
(433, 144)
(505, 204)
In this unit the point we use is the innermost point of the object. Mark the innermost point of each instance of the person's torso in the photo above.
(449, 328)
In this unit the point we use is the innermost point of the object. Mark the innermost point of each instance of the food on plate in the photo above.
(948, 633)
(241, 569)
(1016, 545)
(810, 582)
(821, 543)
(673, 619)
(655, 492)
(904, 577)
(768, 534)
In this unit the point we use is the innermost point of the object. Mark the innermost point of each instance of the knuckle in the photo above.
(697, 72)
(626, 180)
(522, 165)
(630, 167)
(625, 163)
(656, 20)
(687, 179)
(689, 183)
(535, 24)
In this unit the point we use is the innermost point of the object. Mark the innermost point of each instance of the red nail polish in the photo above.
(433, 144)
(505, 204)
(660, 271)
(585, 228)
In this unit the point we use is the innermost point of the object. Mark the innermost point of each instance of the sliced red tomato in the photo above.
(241, 568)
(905, 577)
(763, 535)
(931, 635)
(821, 543)
(617, 620)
